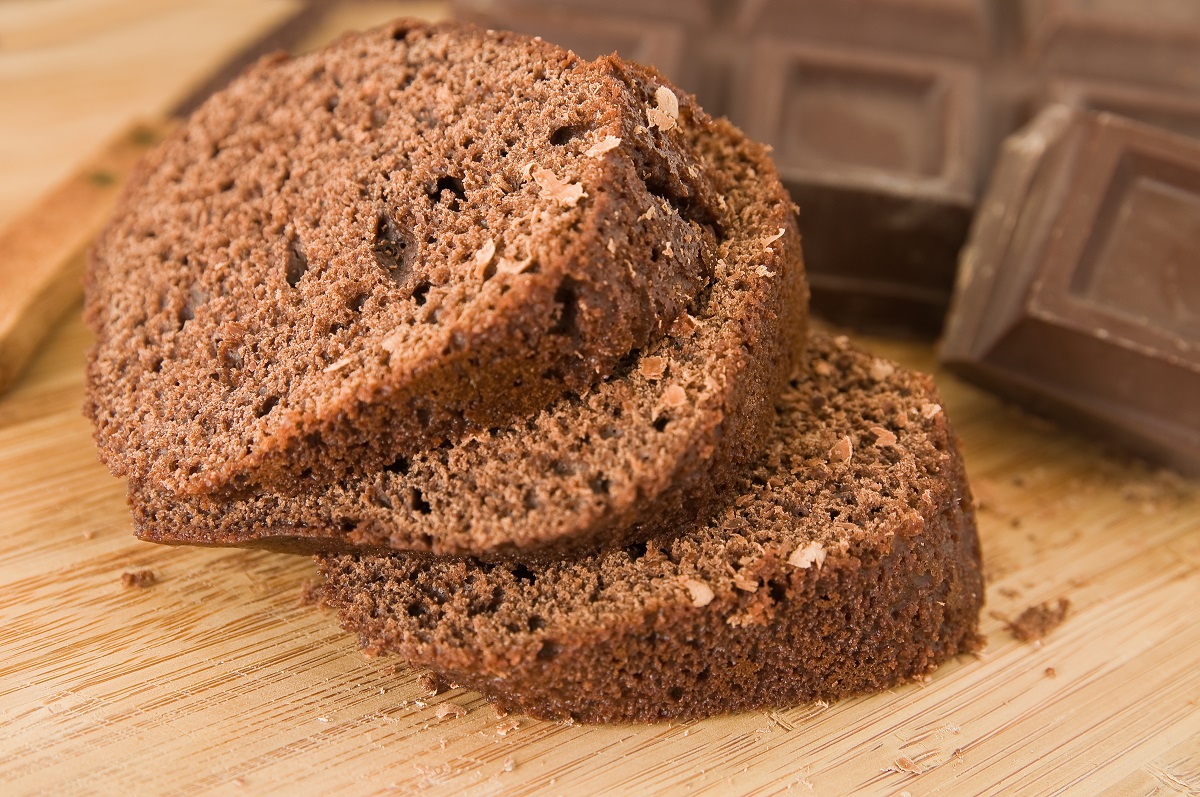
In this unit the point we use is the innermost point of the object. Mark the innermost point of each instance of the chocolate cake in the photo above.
(848, 562)
(649, 448)
(419, 232)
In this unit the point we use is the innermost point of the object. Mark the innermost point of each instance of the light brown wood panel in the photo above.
(215, 680)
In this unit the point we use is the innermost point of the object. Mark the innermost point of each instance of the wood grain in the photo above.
(216, 680)
(42, 251)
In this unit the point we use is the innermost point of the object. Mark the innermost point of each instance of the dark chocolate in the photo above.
(881, 153)
(1079, 292)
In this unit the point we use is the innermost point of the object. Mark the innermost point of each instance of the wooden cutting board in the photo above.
(215, 679)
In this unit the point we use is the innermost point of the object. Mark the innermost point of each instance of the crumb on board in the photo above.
(138, 578)
(310, 594)
(432, 683)
(1051, 672)
(449, 710)
(1037, 621)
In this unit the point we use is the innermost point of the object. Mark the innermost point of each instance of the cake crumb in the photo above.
(1051, 672)
(745, 584)
(842, 450)
(1035, 622)
(701, 593)
(674, 396)
(652, 367)
(881, 370)
(883, 437)
(509, 764)
(806, 556)
(567, 194)
(138, 578)
(339, 365)
(906, 764)
(89, 534)
(770, 239)
(683, 326)
(483, 258)
(602, 146)
(310, 594)
(665, 115)
(505, 728)
(823, 368)
(929, 411)
(432, 683)
(449, 710)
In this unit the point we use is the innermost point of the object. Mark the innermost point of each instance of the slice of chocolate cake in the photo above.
(849, 562)
(649, 448)
(419, 232)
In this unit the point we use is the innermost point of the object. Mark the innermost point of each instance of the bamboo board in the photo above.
(216, 680)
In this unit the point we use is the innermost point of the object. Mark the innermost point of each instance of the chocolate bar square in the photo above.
(1079, 291)
(1170, 109)
(963, 29)
(1152, 41)
(654, 33)
(882, 155)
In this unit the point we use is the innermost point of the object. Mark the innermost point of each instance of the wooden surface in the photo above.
(216, 680)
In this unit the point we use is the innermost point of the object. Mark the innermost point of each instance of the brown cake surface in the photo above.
(848, 562)
(415, 233)
(649, 448)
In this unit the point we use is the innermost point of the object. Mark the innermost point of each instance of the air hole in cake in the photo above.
(523, 573)
(685, 206)
(356, 303)
(536, 623)
(636, 551)
(156, 366)
(419, 504)
(778, 590)
(400, 33)
(398, 466)
(391, 248)
(427, 541)
(600, 485)
(331, 103)
(565, 135)
(224, 185)
(453, 186)
(565, 297)
(660, 423)
(675, 693)
(549, 650)
(420, 293)
(347, 524)
(188, 311)
(562, 467)
(416, 609)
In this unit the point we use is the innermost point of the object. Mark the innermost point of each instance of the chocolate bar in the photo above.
(1136, 59)
(1079, 292)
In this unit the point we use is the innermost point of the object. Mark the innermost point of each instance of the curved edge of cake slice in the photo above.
(849, 562)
